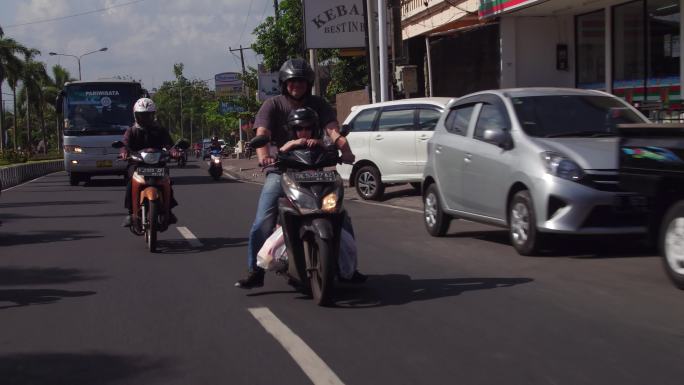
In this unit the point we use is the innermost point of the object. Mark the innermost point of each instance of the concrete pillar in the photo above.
(609, 50)
(507, 43)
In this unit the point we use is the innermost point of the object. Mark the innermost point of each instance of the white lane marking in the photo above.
(357, 200)
(189, 236)
(314, 367)
(32, 180)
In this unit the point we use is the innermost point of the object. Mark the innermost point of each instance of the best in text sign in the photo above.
(334, 23)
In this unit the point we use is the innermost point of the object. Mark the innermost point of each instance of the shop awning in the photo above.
(492, 8)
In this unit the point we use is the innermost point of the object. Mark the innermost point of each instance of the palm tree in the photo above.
(54, 85)
(14, 74)
(34, 78)
(8, 50)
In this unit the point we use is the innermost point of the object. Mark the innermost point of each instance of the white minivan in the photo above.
(389, 140)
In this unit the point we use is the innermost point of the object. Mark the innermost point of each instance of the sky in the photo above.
(144, 38)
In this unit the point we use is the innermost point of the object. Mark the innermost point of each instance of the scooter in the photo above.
(180, 155)
(215, 164)
(151, 190)
(311, 214)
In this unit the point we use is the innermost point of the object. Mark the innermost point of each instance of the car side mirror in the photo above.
(345, 130)
(498, 137)
(259, 141)
(118, 144)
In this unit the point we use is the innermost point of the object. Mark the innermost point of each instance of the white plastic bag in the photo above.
(272, 255)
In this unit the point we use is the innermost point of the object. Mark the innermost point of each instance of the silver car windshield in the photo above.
(555, 116)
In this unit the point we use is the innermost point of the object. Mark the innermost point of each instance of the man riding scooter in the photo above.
(296, 81)
(145, 133)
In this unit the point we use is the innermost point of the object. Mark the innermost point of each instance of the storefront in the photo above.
(631, 49)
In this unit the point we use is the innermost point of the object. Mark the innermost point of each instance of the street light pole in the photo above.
(78, 58)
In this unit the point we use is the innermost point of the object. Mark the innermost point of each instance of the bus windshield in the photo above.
(99, 108)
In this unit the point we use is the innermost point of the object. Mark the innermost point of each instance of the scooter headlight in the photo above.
(329, 203)
(151, 157)
(216, 160)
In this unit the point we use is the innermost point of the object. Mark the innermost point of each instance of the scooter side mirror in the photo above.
(259, 141)
(118, 144)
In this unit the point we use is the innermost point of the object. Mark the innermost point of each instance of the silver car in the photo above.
(537, 160)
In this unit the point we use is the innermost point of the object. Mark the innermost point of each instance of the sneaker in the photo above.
(253, 279)
(355, 278)
(127, 221)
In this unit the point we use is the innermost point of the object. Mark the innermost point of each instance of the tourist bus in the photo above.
(93, 115)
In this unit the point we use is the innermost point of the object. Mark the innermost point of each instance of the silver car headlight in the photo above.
(151, 157)
(561, 166)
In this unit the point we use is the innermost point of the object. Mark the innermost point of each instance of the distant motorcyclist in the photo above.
(145, 133)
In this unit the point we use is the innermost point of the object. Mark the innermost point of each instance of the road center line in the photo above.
(314, 367)
(189, 236)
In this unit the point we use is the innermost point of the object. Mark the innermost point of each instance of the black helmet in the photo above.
(303, 117)
(295, 69)
(214, 138)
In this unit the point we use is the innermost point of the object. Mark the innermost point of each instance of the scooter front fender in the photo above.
(324, 227)
(149, 193)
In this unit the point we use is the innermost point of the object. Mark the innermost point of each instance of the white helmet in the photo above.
(145, 105)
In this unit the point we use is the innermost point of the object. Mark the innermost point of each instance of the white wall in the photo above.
(529, 51)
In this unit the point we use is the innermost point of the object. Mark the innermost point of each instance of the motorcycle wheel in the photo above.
(151, 229)
(321, 270)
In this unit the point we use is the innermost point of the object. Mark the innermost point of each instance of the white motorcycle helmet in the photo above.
(144, 111)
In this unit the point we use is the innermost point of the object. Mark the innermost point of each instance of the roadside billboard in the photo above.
(268, 84)
(228, 84)
(334, 23)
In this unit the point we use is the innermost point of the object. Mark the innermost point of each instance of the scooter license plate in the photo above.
(151, 171)
(314, 176)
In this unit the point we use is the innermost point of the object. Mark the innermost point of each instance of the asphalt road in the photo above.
(83, 302)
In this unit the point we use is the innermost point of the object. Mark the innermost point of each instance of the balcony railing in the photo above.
(413, 7)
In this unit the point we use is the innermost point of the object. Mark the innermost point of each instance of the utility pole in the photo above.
(242, 60)
(275, 6)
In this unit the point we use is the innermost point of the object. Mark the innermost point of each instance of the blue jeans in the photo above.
(267, 216)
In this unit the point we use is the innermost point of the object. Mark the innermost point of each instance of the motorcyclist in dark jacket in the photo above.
(145, 133)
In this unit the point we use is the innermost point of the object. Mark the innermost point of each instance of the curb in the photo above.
(17, 174)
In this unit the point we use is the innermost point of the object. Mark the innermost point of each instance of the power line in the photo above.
(249, 10)
(74, 15)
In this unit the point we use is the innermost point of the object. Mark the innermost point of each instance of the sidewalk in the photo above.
(401, 196)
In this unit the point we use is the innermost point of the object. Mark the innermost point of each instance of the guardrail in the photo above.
(13, 175)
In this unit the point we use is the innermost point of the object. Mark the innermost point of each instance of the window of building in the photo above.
(591, 50)
(629, 51)
(663, 51)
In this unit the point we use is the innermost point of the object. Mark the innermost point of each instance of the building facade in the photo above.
(629, 48)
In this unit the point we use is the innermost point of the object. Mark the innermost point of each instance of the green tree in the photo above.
(9, 64)
(279, 40)
(34, 80)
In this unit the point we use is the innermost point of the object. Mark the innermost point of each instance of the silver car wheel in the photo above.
(431, 210)
(367, 183)
(674, 245)
(520, 223)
